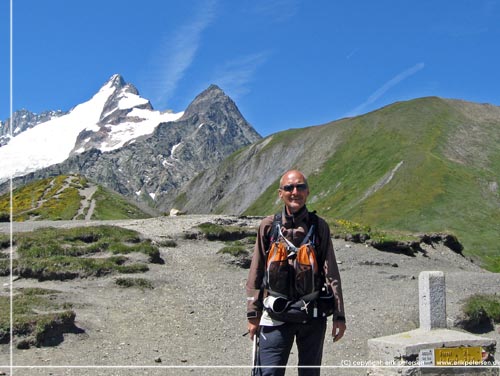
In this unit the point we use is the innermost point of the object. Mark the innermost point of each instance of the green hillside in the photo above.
(426, 165)
(63, 198)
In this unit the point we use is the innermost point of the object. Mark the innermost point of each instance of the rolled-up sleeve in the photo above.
(257, 269)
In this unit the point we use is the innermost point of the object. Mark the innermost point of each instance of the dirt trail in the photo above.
(194, 318)
(86, 202)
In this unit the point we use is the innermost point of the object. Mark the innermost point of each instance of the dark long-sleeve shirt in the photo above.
(294, 228)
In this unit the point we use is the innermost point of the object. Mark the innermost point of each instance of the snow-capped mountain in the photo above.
(115, 115)
(116, 139)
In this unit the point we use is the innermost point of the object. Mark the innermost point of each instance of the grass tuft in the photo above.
(479, 306)
(37, 314)
(61, 254)
(214, 231)
(141, 283)
(234, 250)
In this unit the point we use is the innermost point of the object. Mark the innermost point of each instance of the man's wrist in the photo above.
(252, 315)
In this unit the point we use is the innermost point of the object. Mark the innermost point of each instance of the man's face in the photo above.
(293, 191)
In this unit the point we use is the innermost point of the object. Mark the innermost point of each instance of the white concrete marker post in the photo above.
(432, 300)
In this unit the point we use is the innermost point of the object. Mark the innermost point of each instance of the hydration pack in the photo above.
(292, 275)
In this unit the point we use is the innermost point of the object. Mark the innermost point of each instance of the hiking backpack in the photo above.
(296, 290)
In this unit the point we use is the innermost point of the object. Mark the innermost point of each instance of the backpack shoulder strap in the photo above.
(314, 222)
(275, 227)
(317, 240)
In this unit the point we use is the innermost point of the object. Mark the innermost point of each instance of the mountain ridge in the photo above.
(425, 165)
(148, 166)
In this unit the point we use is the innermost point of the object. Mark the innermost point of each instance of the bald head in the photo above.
(293, 190)
(292, 174)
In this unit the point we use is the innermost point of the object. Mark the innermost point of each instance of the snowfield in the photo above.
(51, 142)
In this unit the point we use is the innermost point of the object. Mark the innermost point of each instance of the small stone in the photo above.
(158, 360)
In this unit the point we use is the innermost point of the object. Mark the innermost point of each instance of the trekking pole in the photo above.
(255, 353)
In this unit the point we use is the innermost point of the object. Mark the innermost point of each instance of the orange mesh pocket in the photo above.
(278, 269)
(305, 271)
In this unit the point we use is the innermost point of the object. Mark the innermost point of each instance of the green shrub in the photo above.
(479, 306)
(4, 267)
(4, 216)
(4, 241)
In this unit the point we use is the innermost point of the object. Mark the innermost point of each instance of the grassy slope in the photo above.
(59, 204)
(110, 205)
(429, 192)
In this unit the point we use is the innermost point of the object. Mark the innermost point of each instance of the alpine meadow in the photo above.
(425, 165)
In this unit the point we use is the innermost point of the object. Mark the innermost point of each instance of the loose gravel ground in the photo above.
(193, 320)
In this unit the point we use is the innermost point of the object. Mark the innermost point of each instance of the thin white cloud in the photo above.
(386, 87)
(235, 76)
(177, 52)
(277, 10)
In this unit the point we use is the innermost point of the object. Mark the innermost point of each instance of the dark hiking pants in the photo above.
(275, 344)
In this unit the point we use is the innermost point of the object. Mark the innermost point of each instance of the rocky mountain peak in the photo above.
(208, 99)
(116, 81)
(124, 99)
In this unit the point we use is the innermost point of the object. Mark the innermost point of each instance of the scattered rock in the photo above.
(175, 212)
(410, 248)
(376, 263)
(448, 240)
(357, 238)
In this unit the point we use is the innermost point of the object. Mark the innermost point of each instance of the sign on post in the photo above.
(451, 357)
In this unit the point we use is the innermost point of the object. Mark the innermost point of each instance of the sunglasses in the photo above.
(291, 187)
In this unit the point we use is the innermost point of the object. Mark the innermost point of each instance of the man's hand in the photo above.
(338, 330)
(253, 326)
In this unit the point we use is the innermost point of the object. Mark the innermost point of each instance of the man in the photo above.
(276, 337)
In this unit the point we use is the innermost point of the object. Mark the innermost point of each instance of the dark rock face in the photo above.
(111, 112)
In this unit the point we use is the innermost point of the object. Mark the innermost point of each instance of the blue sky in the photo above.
(286, 63)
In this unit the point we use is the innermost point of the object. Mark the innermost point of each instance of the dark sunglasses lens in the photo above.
(291, 187)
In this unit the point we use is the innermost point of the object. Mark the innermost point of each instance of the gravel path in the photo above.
(193, 320)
